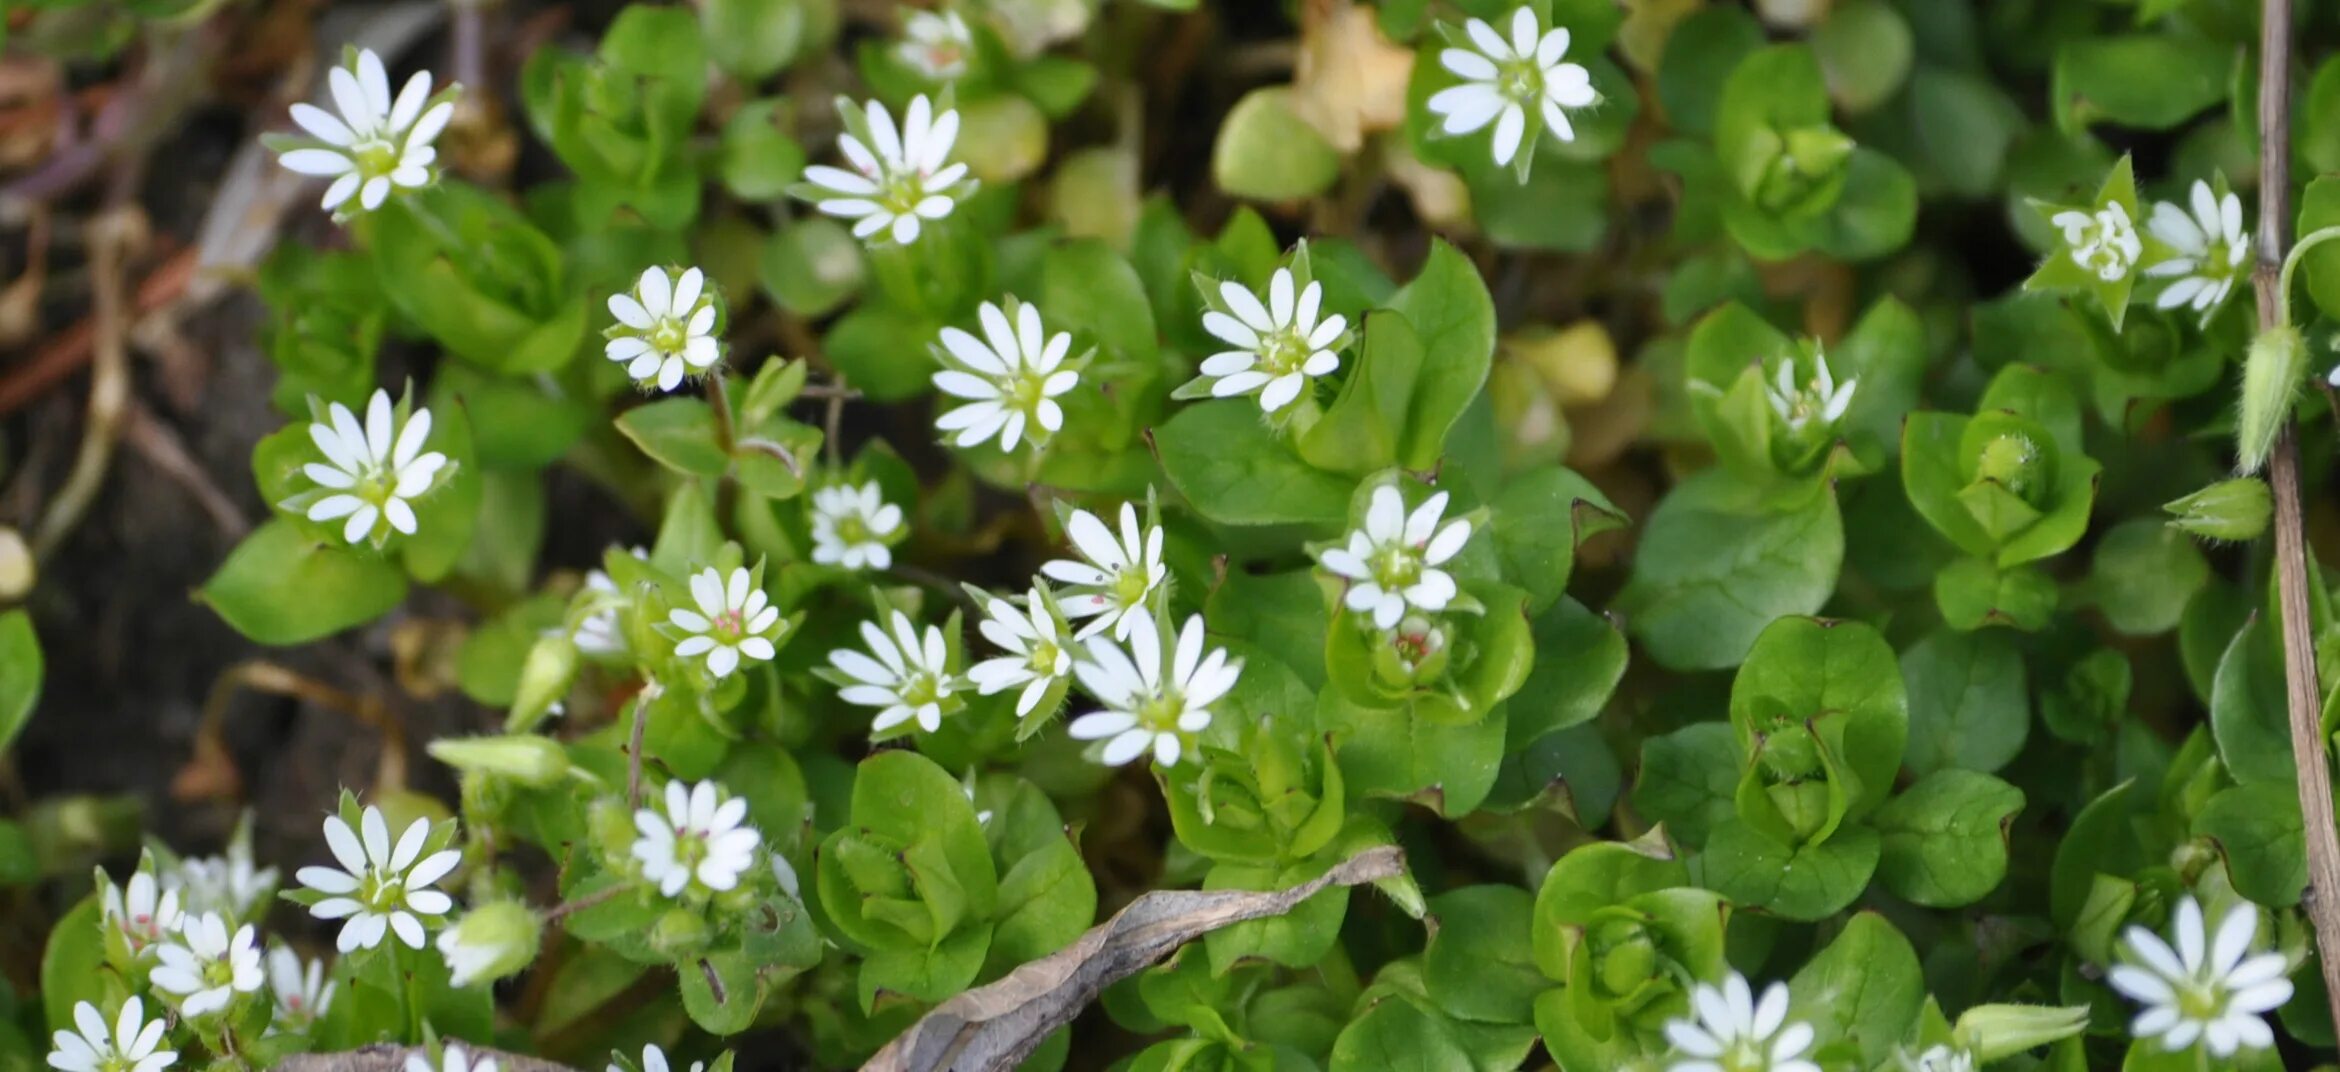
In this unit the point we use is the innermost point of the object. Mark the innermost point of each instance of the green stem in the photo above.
(719, 400)
(2291, 264)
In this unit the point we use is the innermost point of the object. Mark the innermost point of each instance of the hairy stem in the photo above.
(2304, 693)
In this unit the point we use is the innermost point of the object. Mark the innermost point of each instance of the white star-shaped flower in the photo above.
(1392, 562)
(453, 1059)
(229, 884)
(2103, 242)
(905, 676)
(1939, 1058)
(1279, 347)
(901, 177)
(1010, 379)
(1732, 1032)
(380, 887)
(2211, 247)
(598, 633)
(145, 909)
(1502, 80)
(303, 993)
(1037, 655)
(372, 475)
(203, 967)
(936, 44)
(2210, 992)
(1820, 399)
(1112, 582)
(851, 524)
(735, 619)
(664, 329)
(701, 837)
(1144, 709)
(128, 1045)
(376, 143)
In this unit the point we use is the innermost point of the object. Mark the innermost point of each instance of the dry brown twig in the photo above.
(211, 774)
(2304, 693)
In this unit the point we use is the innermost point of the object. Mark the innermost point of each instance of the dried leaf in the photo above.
(996, 1026)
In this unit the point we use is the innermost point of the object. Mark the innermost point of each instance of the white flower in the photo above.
(128, 1047)
(909, 678)
(700, 836)
(1502, 80)
(145, 910)
(663, 329)
(901, 177)
(1036, 658)
(2207, 992)
(1820, 399)
(935, 44)
(303, 993)
(2211, 249)
(1279, 347)
(1145, 710)
(228, 884)
(372, 475)
(1735, 1033)
(598, 634)
(1391, 563)
(1117, 576)
(734, 619)
(1010, 383)
(2105, 242)
(784, 873)
(1939, 1058)
(205, 967)
(454, 1059)
(851, 524)
(653, 1058)
(376, 142)
(380, 887)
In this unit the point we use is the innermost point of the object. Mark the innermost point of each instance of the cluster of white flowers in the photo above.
(2208, 249)
(1279, 347)
(1392, 563)
(700, 841)
(1731, 1031)
(203, 967)
(735, 620)
(852, 524)
(372, 474)
(665, 328)
(1010, 379)
(381, 887)
(1503, 80)
(2211, 991)
(2104, 242)
(376, 143)
(902, 177)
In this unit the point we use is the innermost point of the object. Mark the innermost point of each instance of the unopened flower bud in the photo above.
(680, 933)
(1997, 1031)
(522, 757)
(2013, 462)
(2271, 378)
(544, 679)
(493, 941)
(16, 566)
(2228, 510)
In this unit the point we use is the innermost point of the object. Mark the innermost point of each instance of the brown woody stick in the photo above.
(2304, 692)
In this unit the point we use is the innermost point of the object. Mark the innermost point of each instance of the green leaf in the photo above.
(446, 518)
(1266, 152)
(2258, 829)
(677, 432)
(753, 39)
(1864, 989)
(758, 158)
(73, 966)
(1968, 706)
(1580, 658)
(1688, 778)
(2152, 81)
(1299, 938)
(1086, 287)
(1540, 519)
(1974, 592)
(2249, 711)
(1451, 311)
(1699, 55)
(1808, 883)
(280, 587)
(21, 670)
(1945, 838)
(1399, 752)
(1237, 472)
(882, 350)
(2144, 574)
(1837, 680)
(1479, 964)
(1362, 429)
(722, 992)
(1720, 559)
